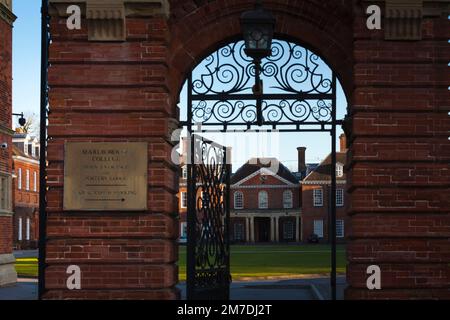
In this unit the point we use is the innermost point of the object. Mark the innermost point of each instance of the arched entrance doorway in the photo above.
(299, 93)
(118, 78)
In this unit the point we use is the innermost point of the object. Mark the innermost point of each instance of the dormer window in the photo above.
(339, 170)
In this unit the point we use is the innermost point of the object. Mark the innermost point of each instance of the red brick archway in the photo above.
(116, 91)
(198, 30)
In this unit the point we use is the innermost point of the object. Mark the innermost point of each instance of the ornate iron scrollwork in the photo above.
(208, 223)
(299, 95)
(300, 88)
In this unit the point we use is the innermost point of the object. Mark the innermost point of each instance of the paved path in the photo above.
(293, 289)
(25, 289)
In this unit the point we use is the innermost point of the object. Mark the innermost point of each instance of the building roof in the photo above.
(256, 164)
(323, 171)
(16, 151)
(309, 168)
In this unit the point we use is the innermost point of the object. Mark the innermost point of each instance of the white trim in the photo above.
(343, 228)
(343, 196)
(234, 200)
(19, 178)
(316, 224)
(323, 182)
(265, 186)
(264, 171)
(183, 227)
(35, 181)
(339, 166)
(266, 202)
(19, 231)
(181, 200)
(318, 205)
(28, 230)
(184, 172)
(26, 160)
(27, 180)
(291, 198)
(6, 196)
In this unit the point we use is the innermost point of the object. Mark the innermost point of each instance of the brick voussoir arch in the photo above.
(323, 27)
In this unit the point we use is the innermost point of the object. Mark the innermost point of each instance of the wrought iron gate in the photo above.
(208, 253)
(300, 96)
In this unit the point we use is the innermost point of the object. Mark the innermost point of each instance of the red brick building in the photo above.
(316, 190)
(119, 79)
(25, 191)
(265, 203)
(7, 271)
(182, 204)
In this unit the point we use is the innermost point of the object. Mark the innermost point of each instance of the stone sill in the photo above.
(6, 213)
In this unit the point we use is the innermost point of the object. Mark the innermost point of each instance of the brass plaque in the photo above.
(105, 176)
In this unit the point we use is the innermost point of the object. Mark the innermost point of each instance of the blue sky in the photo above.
(26, 86)
(26, 57)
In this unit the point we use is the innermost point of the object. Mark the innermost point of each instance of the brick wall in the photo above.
(275, 195)
(26, 205)
(127, 91)
(24, 197)
(113, 91)
(5, 93)
(311, 213)
(6, 235)
(399, 162)
(5, 123)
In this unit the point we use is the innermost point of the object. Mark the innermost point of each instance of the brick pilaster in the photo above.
(8, 274)
(399, 159)
(106, 91)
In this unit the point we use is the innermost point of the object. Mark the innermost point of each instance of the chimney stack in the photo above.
(343, 143)
(301, 160)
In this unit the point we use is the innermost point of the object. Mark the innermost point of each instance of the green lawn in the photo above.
(27, 267)
(253, 261)
(275, 261)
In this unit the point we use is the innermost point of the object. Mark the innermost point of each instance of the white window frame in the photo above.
(340, 229)
(183, 200)
(318, 195)
(28, 229)
(339, 170)
(291, 231)
(19, 231)
(27, 181)
(288, 199)
(5, 193)
(261, 203)
(19, 178)
(35, 181)
(183, 230)
(340, 197)
(236, 200)
(241, 231)
(318, 228)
